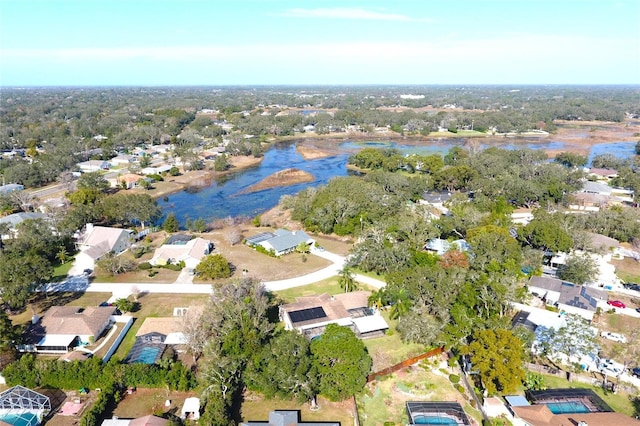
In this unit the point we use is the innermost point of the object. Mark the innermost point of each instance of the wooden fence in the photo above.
(403, 364)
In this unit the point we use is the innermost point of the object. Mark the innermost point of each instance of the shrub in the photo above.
(263, 250)
(152, 274)
(145, 266)
(172, 267)
(454, 378)
(459, 387)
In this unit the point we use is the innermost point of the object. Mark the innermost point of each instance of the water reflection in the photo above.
(224, 196)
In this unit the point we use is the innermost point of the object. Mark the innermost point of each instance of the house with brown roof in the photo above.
(311, 314)
(64, 327)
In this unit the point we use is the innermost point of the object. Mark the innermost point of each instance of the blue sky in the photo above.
(263, 42)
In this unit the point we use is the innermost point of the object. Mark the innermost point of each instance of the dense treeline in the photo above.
(445, 299)
(94, 373)
(57, 127)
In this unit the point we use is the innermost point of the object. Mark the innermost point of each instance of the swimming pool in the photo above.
(146, 355)
(568, 407)
(422, 419)
(22, 419)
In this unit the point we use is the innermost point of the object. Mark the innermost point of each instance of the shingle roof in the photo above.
(14, 219)
(288, 240)
(101, 234)
(70, 320)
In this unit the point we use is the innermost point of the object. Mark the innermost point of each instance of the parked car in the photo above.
(636, 372)
(616, 303)
(616, 337)
(638, 310)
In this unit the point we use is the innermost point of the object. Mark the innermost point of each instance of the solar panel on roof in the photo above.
(307, 314)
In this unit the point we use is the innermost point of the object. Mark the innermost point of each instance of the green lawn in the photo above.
(60, 272)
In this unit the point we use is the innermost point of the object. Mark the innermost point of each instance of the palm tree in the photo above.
(62, 255)
(347, 280)
(400, 304)
(376, 299)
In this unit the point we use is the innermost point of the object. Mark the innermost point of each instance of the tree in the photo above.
(284, 369)
(9, 336)
(238, 328)
(171, 223)
(568, 342)
(125, 305)
(498, 356)
(342, 362)
(347, 280)
(545, 232)
(571, 160)
(214, 266)
(174, 171)
(579, 269)
(221, 163)
(114, 264)
(93, 180)
(20, 276)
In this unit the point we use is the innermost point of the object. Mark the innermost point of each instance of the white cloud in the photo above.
(349, 13)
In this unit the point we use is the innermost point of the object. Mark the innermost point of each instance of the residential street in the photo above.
(184, 282)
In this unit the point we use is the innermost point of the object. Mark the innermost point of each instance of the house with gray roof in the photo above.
(567, 296)
(280, 241)
(10, 187)
(13, 220)
(286, 418)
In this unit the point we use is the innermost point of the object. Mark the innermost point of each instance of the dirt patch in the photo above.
(311, 152)
(286, 177)
(247, 262)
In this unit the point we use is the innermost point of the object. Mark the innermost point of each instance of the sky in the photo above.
(307, 42)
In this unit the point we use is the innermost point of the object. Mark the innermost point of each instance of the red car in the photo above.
(616, 303)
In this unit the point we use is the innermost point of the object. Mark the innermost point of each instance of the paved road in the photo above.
(184, 283)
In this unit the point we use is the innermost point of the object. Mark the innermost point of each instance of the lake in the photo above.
(225, 197)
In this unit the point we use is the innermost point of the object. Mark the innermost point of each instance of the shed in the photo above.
(191, 409)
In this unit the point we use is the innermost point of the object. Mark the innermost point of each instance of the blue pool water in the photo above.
(147, 355)
(24, 419)
(567, 407)
(433, 420)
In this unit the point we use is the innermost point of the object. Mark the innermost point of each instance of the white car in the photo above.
(616, 337)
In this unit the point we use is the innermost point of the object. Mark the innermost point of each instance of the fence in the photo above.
(403, 364)
(128, 321)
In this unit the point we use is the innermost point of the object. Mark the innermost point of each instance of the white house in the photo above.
(94, 165)
(96, 241)
(65, 327)
(310, 315)
(191, 252)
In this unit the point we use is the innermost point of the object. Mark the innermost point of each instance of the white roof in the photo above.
(191, 405)
(175, 339)
(116, 422)
(56, 340)
(370, 323)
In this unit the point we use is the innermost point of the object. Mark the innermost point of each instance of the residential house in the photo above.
(310, 315)
(96, 241)
(10, 187)
(440, 246)
(190, 252)
(522, 216)
(93, 165)
(62, 328)
(13, 220)
(602, 174)
(126, 181)
(156, 170)
(436, 200)
(122, 160)
(286, 418)
(149, 420)
(280, 241)
(568, 297)
(596, 188)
